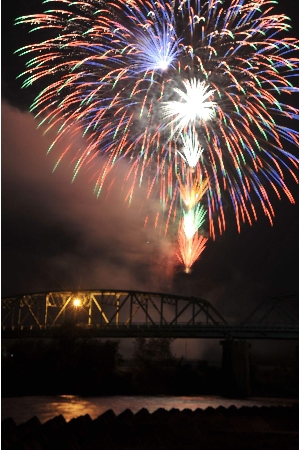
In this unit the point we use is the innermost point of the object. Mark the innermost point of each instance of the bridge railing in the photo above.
(182, 330)
(229, 325)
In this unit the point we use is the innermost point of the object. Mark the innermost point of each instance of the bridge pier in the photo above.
(235, 368)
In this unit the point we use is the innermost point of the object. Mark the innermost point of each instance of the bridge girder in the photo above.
(116, 313)
(48, 309)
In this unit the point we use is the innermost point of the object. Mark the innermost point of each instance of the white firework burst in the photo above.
(191, 149)
(194, 105)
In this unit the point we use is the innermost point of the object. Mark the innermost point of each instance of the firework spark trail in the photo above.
(194, 95)
(190, 249)
(191, 149)
(192, 220)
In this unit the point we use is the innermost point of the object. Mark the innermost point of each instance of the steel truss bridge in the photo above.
(119, 314)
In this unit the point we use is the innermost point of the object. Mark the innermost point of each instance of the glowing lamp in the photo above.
(77, 302)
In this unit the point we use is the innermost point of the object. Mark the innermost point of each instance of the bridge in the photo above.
(123, 314)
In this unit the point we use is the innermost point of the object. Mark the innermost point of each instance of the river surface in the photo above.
(22, 409)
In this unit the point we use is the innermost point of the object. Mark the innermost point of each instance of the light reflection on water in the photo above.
(22, 409)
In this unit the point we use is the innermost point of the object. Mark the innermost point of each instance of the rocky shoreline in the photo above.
(247, 428)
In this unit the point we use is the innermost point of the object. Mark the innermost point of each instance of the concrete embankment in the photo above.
(246, 428)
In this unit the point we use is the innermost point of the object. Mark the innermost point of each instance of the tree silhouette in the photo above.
(154, 366)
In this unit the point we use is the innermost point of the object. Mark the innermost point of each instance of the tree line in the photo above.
(76, 365)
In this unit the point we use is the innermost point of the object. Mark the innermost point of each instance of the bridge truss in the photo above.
(113, 313)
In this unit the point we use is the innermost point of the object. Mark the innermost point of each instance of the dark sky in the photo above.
(58, 235)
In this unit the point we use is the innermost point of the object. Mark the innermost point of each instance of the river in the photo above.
(22, 409)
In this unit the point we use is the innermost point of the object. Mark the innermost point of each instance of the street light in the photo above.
(77, 302)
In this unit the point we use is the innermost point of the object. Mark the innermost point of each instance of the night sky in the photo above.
(56, 235)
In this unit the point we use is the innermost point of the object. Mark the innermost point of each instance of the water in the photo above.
(22, 409)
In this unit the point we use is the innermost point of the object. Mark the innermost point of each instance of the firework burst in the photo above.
(194, 94)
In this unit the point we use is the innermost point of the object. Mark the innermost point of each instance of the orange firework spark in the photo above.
(190, 249)
(192, 191)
